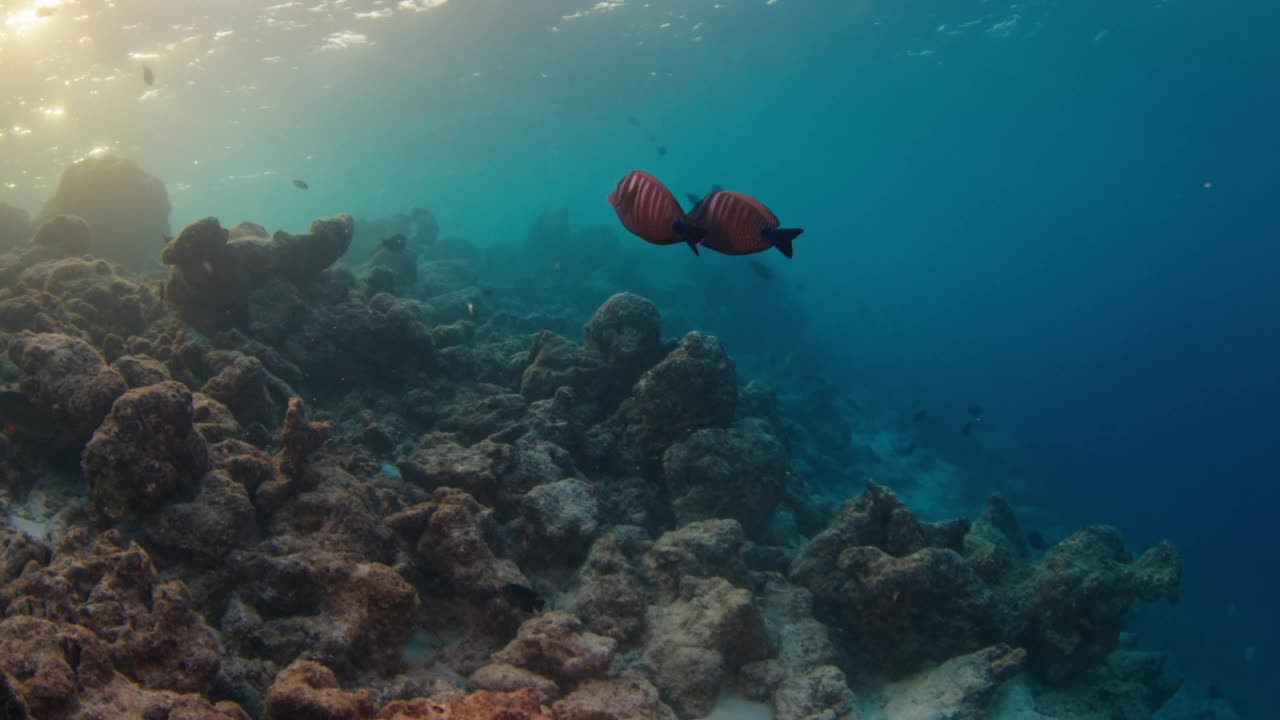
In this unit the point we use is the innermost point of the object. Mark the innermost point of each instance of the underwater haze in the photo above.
(1064, 212)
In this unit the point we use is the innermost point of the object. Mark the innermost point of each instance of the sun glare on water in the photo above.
(19, 22)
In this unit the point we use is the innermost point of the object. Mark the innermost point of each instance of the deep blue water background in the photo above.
(1030, 222)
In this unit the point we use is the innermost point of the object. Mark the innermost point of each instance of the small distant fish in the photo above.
(522, 596)
(300, 185)
(1214, 692)
(148, 76)
(1036, 540)
(738, 224)
(968, 428)
(920, 417)
(45, 11)
(648, 209)
(660, 146)
(395, 243)
(760, 269)
(975, 412)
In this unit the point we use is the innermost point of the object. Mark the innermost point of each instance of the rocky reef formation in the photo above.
(481, 510)
(126, 208)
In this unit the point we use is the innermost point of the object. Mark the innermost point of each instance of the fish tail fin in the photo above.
(690, 234)
(694, 198)
(782, 237)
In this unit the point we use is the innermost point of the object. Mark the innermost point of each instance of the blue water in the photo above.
(1063, 211)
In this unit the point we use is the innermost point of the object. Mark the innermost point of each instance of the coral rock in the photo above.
(301, 438)
(454, 537)
(63, 235)
(557, 646)
(629, 697)
(961, 688)
(693, 387)
(146, 628)
(127, 208)
(307, 690)
(627, 331)
(727, 473)
(146, 454)
(66, 379)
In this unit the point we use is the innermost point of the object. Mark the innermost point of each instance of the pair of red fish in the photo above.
(725, 221)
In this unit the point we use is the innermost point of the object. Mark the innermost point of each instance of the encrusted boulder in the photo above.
(306, 690)
(453, 537)
(994, 544)
(710, 629)
(693, 387)
(67, 380)
(62, 235)
(736, 472)
(127, 208)
(627, 697)
(146, 454)
(1068, 609)
(557, 646)
(627, 332)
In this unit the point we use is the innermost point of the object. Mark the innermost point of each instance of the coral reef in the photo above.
(507, 496)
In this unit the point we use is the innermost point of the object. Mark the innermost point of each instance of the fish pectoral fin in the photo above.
(781, 238)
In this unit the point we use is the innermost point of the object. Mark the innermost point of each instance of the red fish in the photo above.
(648, 209)
(738, 224)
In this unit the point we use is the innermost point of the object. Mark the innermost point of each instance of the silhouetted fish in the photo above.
(738, 224)
(1036, 540)
(760, 269)
(633, 120)
(648, 209)
(919, 417)
(968, 428)
(300, 185)
(1214, 692)
(662, 150)
(148, 76)
(975, 412)
(45, 11)
(521, 596)
(395, 243)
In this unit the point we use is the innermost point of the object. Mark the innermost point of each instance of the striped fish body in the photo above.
(738, 224)
(648, 209)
